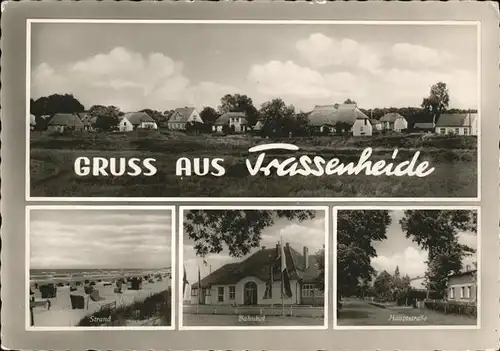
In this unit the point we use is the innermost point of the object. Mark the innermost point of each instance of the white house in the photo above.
(362, 126)
(463, 286)
(457, 123)
(32, 122)
(376, 124)
(235, 121)
(339, 118)
(394, 122)
(136, 120)
(245, 282)
(179, 119)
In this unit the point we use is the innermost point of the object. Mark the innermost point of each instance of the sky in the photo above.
(100, 239)
(399, 251)
(165, 66)
(310, 233)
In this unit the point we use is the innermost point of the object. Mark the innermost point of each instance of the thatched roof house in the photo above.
(136, 120)
(330, 115)
(65, 121)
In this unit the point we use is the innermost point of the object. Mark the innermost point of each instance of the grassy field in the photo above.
(52, 173)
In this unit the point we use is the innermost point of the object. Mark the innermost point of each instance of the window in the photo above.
(462, 292)
(220, 294)
(468, 292)
(232, 292)
(307, 290)
(457, 131)
(442, 130)
(452, 293)
(194, 292)
(318, 293)
(466, 131)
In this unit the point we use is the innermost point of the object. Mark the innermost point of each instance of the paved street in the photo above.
(359, 312)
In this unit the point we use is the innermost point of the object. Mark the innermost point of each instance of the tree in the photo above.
(356, 232)
(239, 103)
(55, 103)
(438, 100)
(107, 117)
(320, 259)
(383, 286)
(277, 117)
(437, 232)
(350, 102)
(209, 115)
(239, 231)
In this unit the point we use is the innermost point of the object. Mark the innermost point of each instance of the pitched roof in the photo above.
(333, 114)
(423, 125)
(181, 114)
(137, 118)
(460, 274)
(66, 119)
(258, 126)
(224, 119)
(257, 265)
(455, 119)
(391, 117)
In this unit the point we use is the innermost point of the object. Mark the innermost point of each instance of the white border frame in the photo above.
(409, 327)
(250, 199)
(105, 208)
(181, 264)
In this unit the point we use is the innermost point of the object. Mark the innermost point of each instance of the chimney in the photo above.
(306, 257)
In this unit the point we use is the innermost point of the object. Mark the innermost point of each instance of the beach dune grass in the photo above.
(453, 157)
(155, 307)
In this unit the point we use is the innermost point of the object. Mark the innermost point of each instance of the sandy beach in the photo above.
(61, 314)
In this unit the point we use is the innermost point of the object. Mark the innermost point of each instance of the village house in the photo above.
(65, 121)
(339, 118)
(463, 286)
(32, 122)
(376, 124)
(394, 122)
(181, 117)
(88, 120)
(234, 121)
(245, 282)
(457, 123)
(136, 120)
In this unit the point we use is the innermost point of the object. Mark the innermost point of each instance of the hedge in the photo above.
(452, 307)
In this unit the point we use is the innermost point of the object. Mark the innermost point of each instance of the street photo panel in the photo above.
(100, 267)
(329, 109)
(254, 268)
(407, 268)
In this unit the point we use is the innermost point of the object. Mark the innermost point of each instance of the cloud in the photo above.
(411, 261)
(79, 239)
(323, 51)
(419, 55)
(126, 79)
(289, 80)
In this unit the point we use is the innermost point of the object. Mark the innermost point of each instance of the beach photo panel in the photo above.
(102, 267)
(253, 268)
(407, 267)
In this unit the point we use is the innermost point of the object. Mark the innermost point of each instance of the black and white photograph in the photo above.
(254, 268)
(366, 110)
(407, 268)
(100, 267)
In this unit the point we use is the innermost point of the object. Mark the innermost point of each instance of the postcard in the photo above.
(250, 175)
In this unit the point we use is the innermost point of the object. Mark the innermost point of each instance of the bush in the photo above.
(452, 307)
(156, 305)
